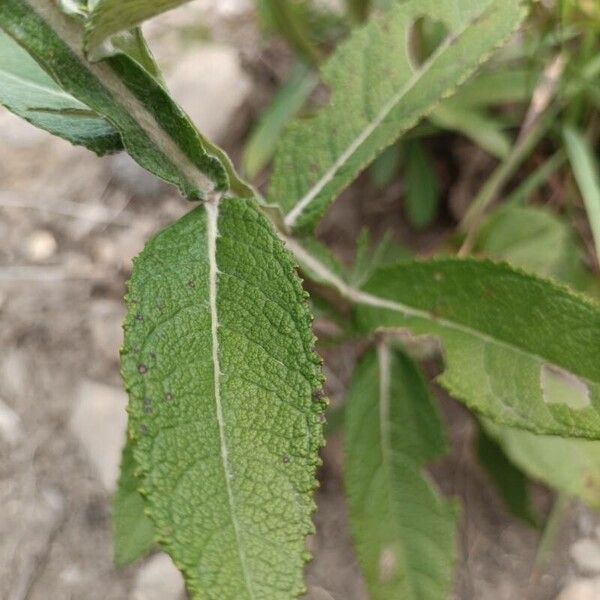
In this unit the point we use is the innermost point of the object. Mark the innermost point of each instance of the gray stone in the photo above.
(158, 579)
(586, 555)
(581, 589)
(11, 430)
(211, 85)
(98, 421)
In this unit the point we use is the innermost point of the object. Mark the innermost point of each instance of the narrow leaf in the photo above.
(520, 350)
(422, 188)
(219, 366)
(27, 91)
(154, 130)
(377, 93)
(510, 481)
(113, 16)
(286, 104)
(404, 533)
(475, 124)
(133, 531)
(585, 168)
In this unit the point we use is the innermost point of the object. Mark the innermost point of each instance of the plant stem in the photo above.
(549, 538)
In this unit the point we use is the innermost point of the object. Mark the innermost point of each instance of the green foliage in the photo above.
(226, 410)
(572, 466)
(286, 104)
(371, 107)
(403, 532)
(585, 169)
(536, 240)
(133, 531)
(219, 366)
(517, 349)
(422, 189)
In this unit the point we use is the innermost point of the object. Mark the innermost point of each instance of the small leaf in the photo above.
(378, 93)
(475, 124)
(535, 239)
(27, 91)
(133, 531)
(286, 104)
(113, 16)
(422, 188)
(404, 533)
(506, 336)
(386, 166)
(571, 466)
(510, 481)
(224, 404)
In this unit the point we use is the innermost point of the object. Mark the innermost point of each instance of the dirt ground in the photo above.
(69, 225)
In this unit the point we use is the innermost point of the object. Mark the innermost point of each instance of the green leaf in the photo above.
(224, 406)
(520, 350)
(572, 466)
(27, 91)
(536, 240)
(475, 124)
(422, 189)
(377, 94)
(113, 16)
(404, 533)
(286, 104)
(511, 482)
(133, 531)
(154, 130)
(585, 168)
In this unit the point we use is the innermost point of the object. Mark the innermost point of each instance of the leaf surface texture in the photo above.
(219, 366)
(377, 92)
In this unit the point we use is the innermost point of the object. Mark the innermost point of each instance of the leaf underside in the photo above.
(403, 531)
(27, 91)
(520, 350)
(219, 366)
(378, 91)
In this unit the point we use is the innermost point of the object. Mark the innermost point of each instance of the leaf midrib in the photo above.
(385, 381)
(212, 234)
